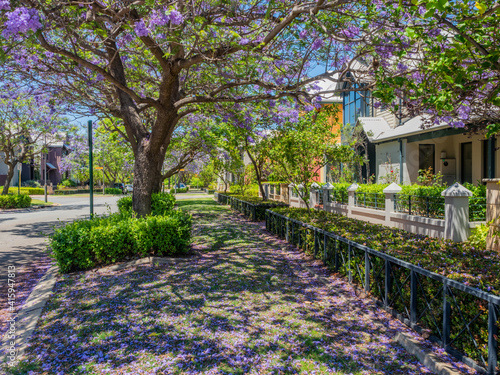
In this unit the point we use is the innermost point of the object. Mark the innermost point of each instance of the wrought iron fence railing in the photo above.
(420, 205)
(370, 200)
(477, 209)
(334, 196)
(462, 319)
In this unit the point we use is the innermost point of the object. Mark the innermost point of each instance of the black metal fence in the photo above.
(255, 211)
(420, 205)
(337, 196)
(370, 200)
(477, 209)
(462, 319)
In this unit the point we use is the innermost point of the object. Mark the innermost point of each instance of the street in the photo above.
(23, 233)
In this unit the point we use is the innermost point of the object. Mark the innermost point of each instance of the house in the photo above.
(51, 161)
(329, 97)
(27, 172)
(402, 146)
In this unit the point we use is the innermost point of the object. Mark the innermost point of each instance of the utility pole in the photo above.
(91, 170)
(19, 179)
(45, 170)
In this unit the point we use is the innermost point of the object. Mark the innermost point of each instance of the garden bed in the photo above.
(434, 284)
(85, 244)
(463, 262)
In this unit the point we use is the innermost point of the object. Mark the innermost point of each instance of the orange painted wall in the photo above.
(336, 122)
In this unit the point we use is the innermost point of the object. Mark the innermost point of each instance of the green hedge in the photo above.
(75, 191)
(115, 191)
(85, 244)
(161, 204)
(179, 191)
(15, 201)
(25, 190)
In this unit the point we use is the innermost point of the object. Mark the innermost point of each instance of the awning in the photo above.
(50, 166)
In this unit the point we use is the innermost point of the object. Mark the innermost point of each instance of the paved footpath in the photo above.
(244, 305)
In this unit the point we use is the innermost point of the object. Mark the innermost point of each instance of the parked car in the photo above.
(121, 186)
(129, 188)
(180, 186)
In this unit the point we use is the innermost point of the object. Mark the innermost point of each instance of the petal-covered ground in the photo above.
(244, 306)
(24, 281)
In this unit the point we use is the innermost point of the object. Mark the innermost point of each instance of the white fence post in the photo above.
(456, 212)
(350, 202)
(390, 194)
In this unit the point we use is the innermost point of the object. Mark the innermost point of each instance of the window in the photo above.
(466, 162)
(426, 157)
(355, 103)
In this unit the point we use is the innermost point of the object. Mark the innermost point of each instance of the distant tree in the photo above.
(27, 116)
(302, 148)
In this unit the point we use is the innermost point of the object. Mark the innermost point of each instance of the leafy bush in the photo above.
(179, 191)
(15, 201)
(31, 183)
(68, 183)
(161, 204)
(478, 236)
(85, 244)
(112, 191)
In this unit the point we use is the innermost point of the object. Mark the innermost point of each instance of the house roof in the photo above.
(327, 89)
(50, 166)
(378, 130)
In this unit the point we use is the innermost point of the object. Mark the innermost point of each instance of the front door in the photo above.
(466, 162)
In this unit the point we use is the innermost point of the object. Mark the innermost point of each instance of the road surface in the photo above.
(23, 233)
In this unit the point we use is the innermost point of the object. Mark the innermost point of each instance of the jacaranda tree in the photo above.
(442, 60)
(152, 63)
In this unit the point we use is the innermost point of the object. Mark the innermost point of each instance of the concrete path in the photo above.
(23, 233)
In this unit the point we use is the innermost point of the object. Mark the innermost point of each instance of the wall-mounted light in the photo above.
(443, 154)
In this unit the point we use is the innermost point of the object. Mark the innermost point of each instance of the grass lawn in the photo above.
(244, 306)
(39, 202)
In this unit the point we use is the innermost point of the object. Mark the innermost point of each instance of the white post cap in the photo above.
(393, 188)
(456, 190)
(353, 187)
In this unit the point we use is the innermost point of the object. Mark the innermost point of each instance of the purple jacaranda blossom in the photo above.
(20, 21)
(176, 17)
(4, 4)
(244, 41)
(303, 34)
(463, 112)
(402, 67)
(318, 43)
(141, 29)
(351, 32)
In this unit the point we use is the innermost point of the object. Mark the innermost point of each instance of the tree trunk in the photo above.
(147, 174)
(10, 174)
(258, 175)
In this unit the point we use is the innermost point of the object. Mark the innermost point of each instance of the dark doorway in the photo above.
(426, 157)
(466, 162)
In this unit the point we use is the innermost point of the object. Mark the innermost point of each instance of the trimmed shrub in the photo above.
(115, 191)
(75, 191)
(26, 190)
(161, 204)
(85, 244)
(183, 190)
(15, 201)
